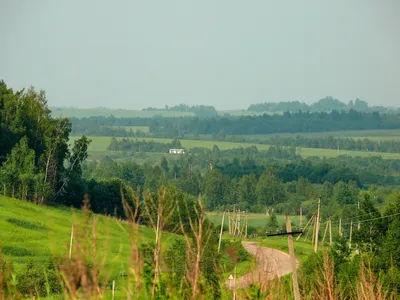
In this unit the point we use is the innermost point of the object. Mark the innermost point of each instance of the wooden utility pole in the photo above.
(340, 227)
(296, 290)
(317, 227)
(247, 225)
(239, 231)
(229, 223)
(351, 230)
(220, 233)
(330, 231)
(70, 242)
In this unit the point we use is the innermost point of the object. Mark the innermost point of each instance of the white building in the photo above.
(176, 151)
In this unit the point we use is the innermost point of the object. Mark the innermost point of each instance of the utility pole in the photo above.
(220, 233)
(239, 231)
(317, 227)
(229, 223)
(351, 231)
(247, 224)
(340, 227)
(70, 242)
(296, 290)
(326, 229)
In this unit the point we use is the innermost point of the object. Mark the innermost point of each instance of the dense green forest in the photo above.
(297, 122)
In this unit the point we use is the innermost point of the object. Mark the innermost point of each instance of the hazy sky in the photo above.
(226, 53)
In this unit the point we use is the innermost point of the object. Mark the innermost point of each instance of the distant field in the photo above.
(255, 220)
(99, 145)
(118, 113)
(386, 134)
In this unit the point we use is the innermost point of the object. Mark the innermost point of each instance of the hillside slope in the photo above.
(39, 234)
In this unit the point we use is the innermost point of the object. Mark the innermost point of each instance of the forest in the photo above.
(296, 122)
(174, 197)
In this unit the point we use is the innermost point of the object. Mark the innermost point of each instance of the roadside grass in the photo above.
(38, 234)
(98, 148)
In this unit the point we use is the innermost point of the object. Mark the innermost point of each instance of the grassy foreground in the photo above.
(37, 234)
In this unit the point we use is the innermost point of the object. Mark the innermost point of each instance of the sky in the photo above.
(227, 53)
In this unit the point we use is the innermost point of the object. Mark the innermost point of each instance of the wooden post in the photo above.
(296, 290)
(351, 231)
(340, 227)
(301, 216)
(247, 224)
(317, 227)
(229, 223)
(220, 233)
(239, 231)
(70, 242)
(113, 289)
(234, 283)
(330, 231)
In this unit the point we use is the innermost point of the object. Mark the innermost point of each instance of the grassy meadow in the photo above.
(379, 134)
(254, 219)
(98, 148)
(38, 234)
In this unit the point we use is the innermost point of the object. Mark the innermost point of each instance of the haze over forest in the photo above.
(228, 54)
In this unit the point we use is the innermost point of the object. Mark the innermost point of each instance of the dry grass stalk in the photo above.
(369, 287)
(201, 236)
(77, 277)
(135, 262)
(326, 287)
(159, 212)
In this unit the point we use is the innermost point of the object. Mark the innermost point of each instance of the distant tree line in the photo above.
(326, 104)
(330, 142)
(142, 146)
(198, 110)
(298, 122)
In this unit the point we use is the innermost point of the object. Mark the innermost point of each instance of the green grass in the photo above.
(255, 220)
(378, 134)
(118, 113)
(38, 233)
(99, 145)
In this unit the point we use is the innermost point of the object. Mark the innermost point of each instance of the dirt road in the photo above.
(271, 264)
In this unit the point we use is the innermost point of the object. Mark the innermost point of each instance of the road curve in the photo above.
(272, 263)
